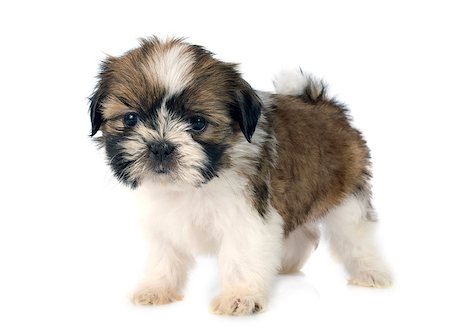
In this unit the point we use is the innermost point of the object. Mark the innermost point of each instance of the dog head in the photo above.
(171, 112)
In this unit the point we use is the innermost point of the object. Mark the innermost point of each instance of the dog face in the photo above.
(169, 111)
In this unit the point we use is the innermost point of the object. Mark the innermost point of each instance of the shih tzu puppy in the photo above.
(224, 169)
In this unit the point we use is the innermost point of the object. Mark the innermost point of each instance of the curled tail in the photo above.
(298, 83)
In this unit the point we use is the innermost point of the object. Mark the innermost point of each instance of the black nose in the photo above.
(161, 150)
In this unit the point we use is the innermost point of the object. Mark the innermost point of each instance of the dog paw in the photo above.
(154, 296)
(226, 304)
(371, 278)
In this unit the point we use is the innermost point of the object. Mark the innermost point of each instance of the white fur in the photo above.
(191, 157)
(171, 67)
(290, 82)
(298, 246)
(351, 236)
(243, 152)
(182, 220)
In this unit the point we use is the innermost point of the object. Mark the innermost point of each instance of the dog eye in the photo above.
(130, 119)
(198, 124)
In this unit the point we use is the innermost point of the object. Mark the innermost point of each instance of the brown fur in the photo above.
(128, 87)
(321, 159)
(188, 128)
(310, 157)
(140, 81)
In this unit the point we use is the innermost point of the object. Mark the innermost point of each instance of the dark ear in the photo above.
(99, 94)
(248, 109)
(95, 107)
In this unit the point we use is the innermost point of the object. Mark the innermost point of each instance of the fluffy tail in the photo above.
(298, 83)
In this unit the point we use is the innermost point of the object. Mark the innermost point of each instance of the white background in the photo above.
(70, 246)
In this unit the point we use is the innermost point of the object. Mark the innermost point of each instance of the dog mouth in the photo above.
(162, 167)
(161, 170)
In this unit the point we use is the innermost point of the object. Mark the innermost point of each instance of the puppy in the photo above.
(224, 169)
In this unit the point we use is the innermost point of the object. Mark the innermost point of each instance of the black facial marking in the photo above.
(214, 152)
(176, 104)
(155, 106)
(147, 110)
(149, 114)
(118, 162)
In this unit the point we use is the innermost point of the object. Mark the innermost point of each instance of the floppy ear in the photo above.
(99, 94)
(248, 109)
(95, 106)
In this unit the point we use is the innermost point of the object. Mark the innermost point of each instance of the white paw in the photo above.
(371, 278)
(235, 304)
(154, 296)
